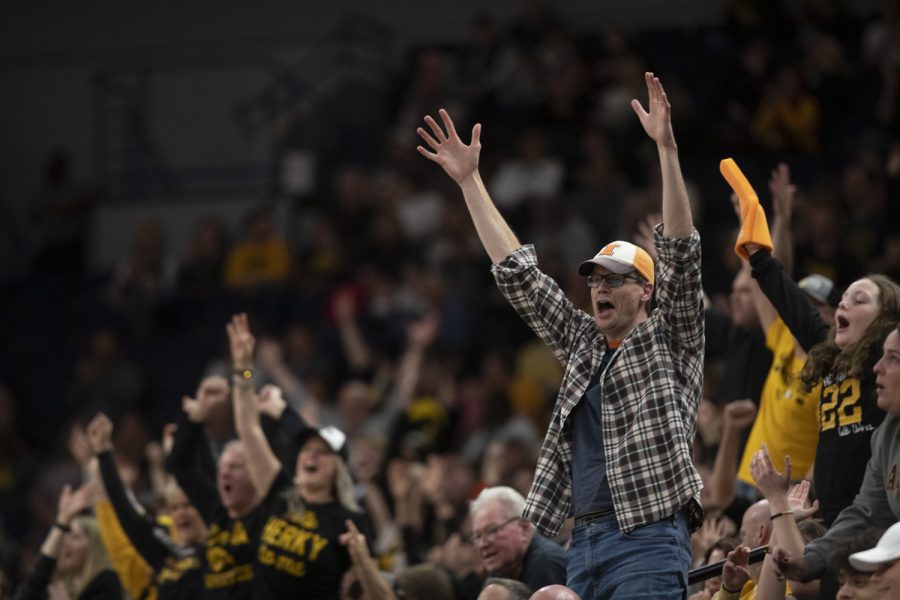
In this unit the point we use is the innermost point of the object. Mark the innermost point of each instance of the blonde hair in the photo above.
(342, 488)
(95, 561)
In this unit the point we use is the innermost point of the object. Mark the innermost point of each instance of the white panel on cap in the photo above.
(334, 436)
(624, 252)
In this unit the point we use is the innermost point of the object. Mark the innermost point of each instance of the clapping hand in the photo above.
(798, 500)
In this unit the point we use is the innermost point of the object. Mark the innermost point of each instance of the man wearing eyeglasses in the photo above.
(507, 543)
(617, 453)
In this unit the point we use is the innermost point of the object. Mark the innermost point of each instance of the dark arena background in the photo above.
(166, 165)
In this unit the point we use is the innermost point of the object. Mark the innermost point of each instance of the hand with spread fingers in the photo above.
(455, 157)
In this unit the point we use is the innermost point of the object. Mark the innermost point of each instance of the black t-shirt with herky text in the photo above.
(229, 555)
(300, 554)
(229, 552)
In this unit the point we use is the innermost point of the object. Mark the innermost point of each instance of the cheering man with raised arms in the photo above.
(617, 454)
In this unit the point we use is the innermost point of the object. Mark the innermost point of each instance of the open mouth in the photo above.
(604, 308)
(842, 322)
(310, 468)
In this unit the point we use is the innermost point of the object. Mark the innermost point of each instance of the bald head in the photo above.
(554, 592)
(756, 527)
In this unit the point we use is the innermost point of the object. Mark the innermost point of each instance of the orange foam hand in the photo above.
(754, 226)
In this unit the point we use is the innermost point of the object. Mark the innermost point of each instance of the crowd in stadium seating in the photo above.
(376, 321)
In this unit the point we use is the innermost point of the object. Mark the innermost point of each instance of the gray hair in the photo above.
(511, 500)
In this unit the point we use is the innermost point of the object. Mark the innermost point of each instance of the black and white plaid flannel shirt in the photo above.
(651, 389)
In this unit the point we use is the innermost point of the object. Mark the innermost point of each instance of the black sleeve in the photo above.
(105, 586)
(798, 314)
(283, 435)
(35, 585)
(143, 533)
(198, 484)
(205, 463)
(291, 423)
(717, 331)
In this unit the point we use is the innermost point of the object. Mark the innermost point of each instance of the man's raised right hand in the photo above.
(457, 159)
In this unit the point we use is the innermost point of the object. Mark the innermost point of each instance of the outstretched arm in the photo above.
(190, 459)
(784, 507)
(783, 192)
(140, 531)
(676, 209)
(263, 464)
(460, 162)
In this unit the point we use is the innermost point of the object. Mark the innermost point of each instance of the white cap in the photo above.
(331, 435)
(886, 550)
(620, 257)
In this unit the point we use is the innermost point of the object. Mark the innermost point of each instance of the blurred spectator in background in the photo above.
(144, 277)
(260, 258)
(105, 379)
(59, 217)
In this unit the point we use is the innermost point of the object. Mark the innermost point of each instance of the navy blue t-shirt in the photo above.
(590, 486)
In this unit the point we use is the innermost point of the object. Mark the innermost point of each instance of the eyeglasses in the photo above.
(612, 280)
(489, 532)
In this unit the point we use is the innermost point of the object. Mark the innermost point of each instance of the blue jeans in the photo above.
(649, 562)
